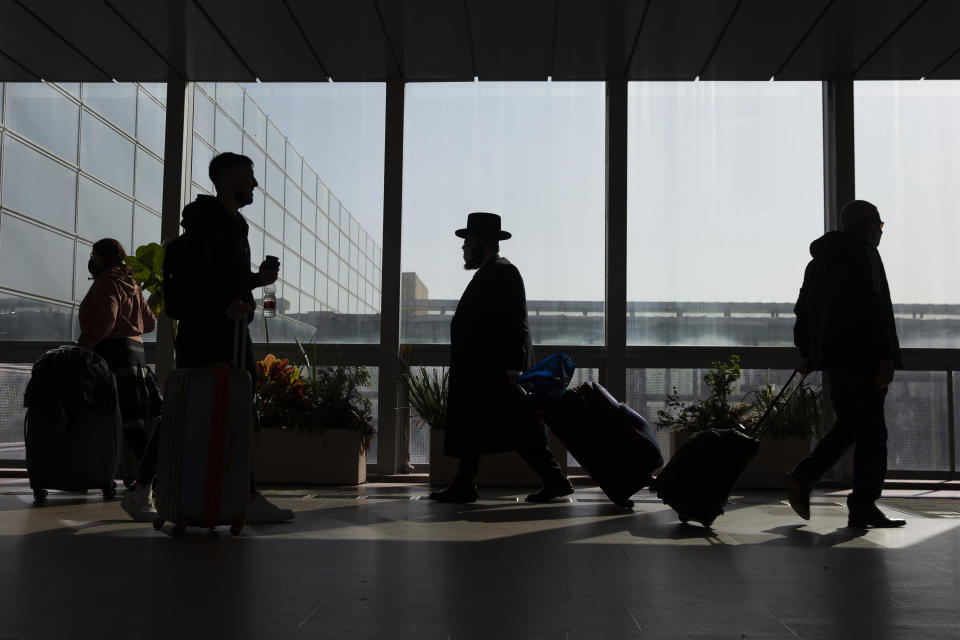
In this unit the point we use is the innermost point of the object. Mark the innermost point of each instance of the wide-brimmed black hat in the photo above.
(484, 225)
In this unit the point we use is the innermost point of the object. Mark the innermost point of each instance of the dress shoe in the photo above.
(873, 520)
(551, 491)
(798, 494)
(456, 493)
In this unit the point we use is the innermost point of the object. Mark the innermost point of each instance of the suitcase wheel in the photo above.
(110, 491)
(39, 496)
(178, 530)
(158, 524)
(684, 518)
(235, 529)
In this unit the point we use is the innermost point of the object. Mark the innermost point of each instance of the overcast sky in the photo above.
(725, 180)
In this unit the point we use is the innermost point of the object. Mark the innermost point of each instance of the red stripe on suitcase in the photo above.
(215, 448)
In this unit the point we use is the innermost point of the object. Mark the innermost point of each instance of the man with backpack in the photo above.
(208, 285)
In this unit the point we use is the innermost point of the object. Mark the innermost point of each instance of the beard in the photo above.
(471, 260)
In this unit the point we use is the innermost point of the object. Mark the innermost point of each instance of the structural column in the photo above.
(839, 172)
(390, 286)
(176, 182)
(839, 167)
(615, 293)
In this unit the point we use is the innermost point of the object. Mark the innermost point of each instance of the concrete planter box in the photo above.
(331, 456)
(774, 459)
(496, 470)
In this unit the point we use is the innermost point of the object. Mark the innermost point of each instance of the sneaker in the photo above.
(551, 491)
(875, 519)
(456, 493)
(261, 510)
(137, 501)
(798, 494)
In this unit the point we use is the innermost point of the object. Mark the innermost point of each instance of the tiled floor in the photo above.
(375, 563)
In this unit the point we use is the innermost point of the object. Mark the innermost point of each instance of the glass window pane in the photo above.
(27, 319)
(254, 211)
(294, 164)
(149, 187)
(42, 114)
(151, 124)
(333, 134)
(202, 155)
(290, 270)
(320, 287)
(34, 260)
(255, 122)
(276, 143)
(228, 134)
(157, 89)
(203, 115)
(322, 196)
(307, 274)
(532, 152)
(292, 198)
(916, 417)
(230, 99)
(73, 88)
(725, 194)
(291, 233)
(115, 101)
(146, 228)
(274, 218)
(106, 154)
(38, 186)
(102, 213)
(253, 152)
(908, 159)
(276, 182)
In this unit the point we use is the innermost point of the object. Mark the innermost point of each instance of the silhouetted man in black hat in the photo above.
(845, 328)
(489, 347)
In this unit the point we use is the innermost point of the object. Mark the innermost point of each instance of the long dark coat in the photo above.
(489, 335)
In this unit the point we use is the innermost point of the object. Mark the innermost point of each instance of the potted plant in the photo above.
(789, 440)
(146, 267)
(427, 395)
(314, 424)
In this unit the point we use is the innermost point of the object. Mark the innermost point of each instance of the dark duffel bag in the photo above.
(72, 424)
(698, 479)
(611, 441)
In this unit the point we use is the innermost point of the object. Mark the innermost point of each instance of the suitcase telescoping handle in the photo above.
(239, 344)
(766, 420)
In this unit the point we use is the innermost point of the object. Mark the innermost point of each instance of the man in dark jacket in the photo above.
(489, 347)
(845, 328)
(208, 285)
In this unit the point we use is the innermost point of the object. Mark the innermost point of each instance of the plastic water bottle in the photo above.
(269, 301)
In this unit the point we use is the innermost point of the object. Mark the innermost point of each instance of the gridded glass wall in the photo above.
(724, 196)
(532, 152)
(908, 159)
(329, 288)
(80, 162)
(13, 384)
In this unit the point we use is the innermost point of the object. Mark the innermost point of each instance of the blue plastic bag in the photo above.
(546, 380)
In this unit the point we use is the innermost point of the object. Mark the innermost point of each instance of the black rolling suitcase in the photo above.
(698, 479)
(72, 426)
(610, 440)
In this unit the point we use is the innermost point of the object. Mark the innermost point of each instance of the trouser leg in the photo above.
(841, 435)
(148, 455)
(541, 459)
(468, 471)
(870, 454)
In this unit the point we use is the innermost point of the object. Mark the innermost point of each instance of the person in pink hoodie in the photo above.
(113, 318)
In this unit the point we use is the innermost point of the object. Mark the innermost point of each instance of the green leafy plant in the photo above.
(146, 267)
(427, 396)
(799, 417)
(312, 398)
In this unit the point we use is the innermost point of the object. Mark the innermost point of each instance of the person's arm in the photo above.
(99, 313)
(147, 318)
(192, 286)
(515, 327)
